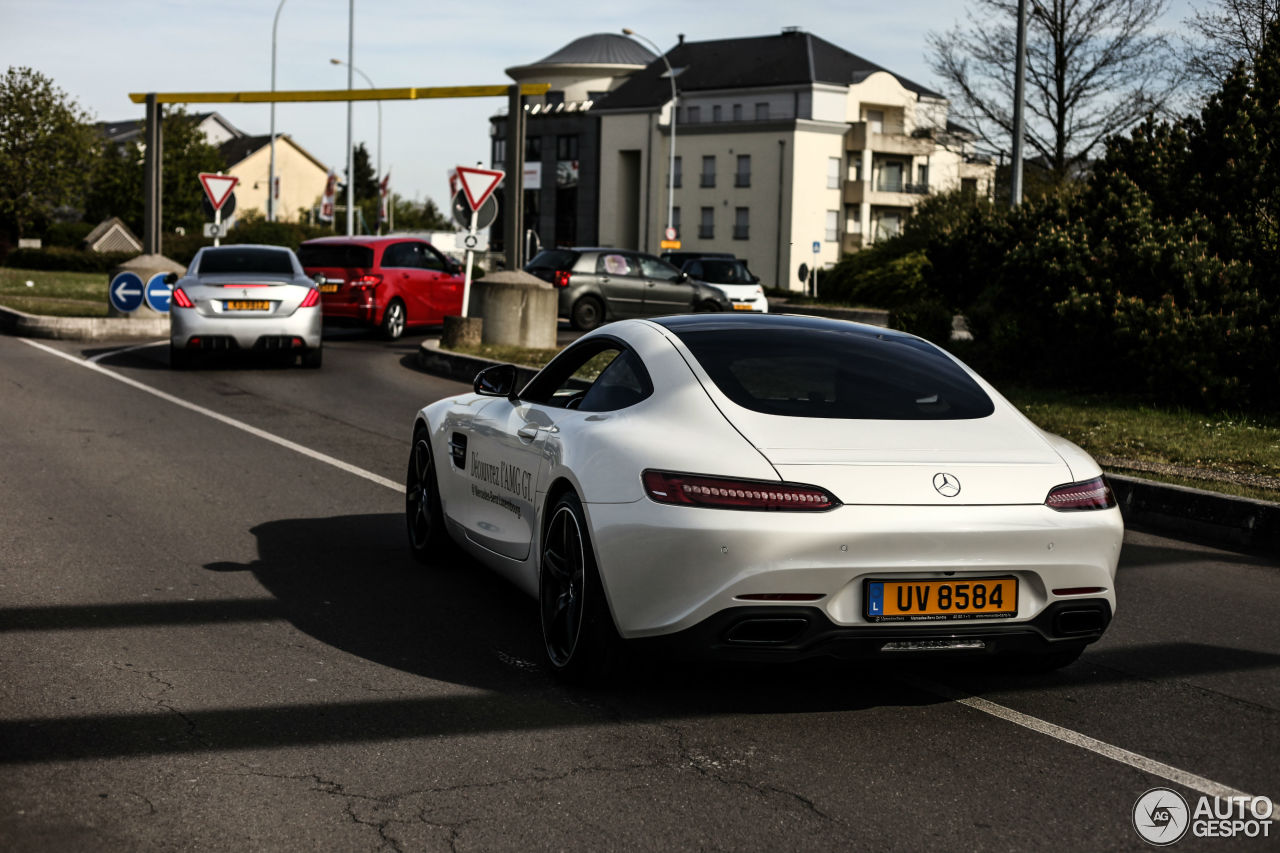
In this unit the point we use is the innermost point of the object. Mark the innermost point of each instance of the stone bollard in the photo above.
(144, 267)
(461, 332)
(519, 309)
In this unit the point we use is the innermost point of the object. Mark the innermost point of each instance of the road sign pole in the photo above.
(217, 227)
(466, 281)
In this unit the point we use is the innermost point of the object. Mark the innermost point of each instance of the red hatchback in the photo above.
(384, 282)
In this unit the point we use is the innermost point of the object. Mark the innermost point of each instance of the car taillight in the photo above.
(562, 278)
(366, 281)
(181, 299)
(725, 493)
(1090, 494)
(310, 300)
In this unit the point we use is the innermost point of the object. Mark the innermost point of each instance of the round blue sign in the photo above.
(158, 292)
(125, 291)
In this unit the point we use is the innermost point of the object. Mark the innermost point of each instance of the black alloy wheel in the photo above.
(424, 517)
(579, 638)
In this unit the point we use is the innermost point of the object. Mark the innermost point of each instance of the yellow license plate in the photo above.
(247, 305)
(740, 307)
(328, 288)
(940, 601)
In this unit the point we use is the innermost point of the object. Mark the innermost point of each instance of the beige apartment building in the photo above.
(784, 144)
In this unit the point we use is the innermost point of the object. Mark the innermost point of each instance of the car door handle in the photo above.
(529, 433)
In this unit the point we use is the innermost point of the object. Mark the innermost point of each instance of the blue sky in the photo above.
(100, 52)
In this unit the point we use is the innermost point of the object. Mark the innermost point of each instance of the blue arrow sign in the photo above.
(158, 293)
(125, 291)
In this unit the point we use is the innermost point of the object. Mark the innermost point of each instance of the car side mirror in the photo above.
(171, 278)
(682, 277)
(497, 381)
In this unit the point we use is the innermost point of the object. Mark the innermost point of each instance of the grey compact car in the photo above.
(245, 298)
(597, 285)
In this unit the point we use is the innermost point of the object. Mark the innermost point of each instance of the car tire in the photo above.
(587, 313)
(313, 358)
(393, 320)
(179, 359)
(579, 640)
(424, 515)
(707, 307)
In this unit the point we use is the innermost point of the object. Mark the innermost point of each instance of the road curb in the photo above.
(1223, 521)
(15, 322)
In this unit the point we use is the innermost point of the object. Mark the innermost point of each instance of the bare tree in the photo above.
(1094, 67)
(1230, 31)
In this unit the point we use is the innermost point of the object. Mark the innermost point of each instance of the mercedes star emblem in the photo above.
(948, 485)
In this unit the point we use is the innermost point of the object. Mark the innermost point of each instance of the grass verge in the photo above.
(55, 293)
(1234, 455)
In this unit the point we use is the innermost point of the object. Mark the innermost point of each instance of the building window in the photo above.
(707, 226)
(762, 111)
(717, 113)
(743, 176)
(833, 173)
(737, 112)
(969, 187)
(499, 151)
(888, 225)
(833, 226)
(695, 115)
(890, 178)
(708, 171)
(567, 147)
(852, 221)
(922, 178)
(533, 149)
(875, 121)
(741, 223)
(677, 174)
(555, 96)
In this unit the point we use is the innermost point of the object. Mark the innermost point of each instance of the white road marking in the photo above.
(1035, 724)
(1083, 741)
(117, 351)
(240, 425)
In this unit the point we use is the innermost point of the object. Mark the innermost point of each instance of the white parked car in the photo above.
(769, 487)
(731, 277)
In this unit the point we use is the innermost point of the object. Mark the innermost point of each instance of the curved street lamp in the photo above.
(378, 166)
(671, 169)
(271, 168)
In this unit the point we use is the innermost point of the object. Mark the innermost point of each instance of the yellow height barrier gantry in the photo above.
(411, 93)
(152, 184)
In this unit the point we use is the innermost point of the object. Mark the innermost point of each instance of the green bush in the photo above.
(67, 234)
(68, 260)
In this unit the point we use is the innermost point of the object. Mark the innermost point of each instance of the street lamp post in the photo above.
(671, 169)
(271, 169)
(379, 103)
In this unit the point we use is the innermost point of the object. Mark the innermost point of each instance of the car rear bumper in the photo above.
(789, 633)
(244, 333)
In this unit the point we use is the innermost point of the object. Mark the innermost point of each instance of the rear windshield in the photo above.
(236, 260)
(817, 373)
(553, 259)
(725, 272)
(336, 256)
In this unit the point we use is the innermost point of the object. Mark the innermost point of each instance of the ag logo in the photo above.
(1161, 816)
(948, 485)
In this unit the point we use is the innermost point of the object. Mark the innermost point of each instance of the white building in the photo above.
(782, 143)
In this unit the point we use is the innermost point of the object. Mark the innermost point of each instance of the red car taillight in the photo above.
(562, 278)
(181, 299)
(366, 281)
(311, 299)
(1090, 494)
(724, 493)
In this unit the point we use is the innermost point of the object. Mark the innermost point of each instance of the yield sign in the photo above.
(479, 184)
(218, 187)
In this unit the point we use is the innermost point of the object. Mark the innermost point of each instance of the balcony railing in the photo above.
(706, 232)
(707, 180)
(742, 179)
(900, 187)
(741, 232)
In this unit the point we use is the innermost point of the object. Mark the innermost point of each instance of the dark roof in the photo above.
(792, 58)
(600, 49)
(235, 150)
(121, 132)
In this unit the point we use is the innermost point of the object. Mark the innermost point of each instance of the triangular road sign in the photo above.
(218, 187)
(478, 184)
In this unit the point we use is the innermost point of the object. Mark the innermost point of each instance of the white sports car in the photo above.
(769, 487)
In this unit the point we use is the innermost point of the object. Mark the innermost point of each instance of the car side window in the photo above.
(431, 259)
(600, 375)
(400, 255)
(658, 270)
(615, 263)
(694, 269)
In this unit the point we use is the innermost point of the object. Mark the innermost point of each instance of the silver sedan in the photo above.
(245, 298)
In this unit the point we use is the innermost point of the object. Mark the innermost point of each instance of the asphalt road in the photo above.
(213, 638)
